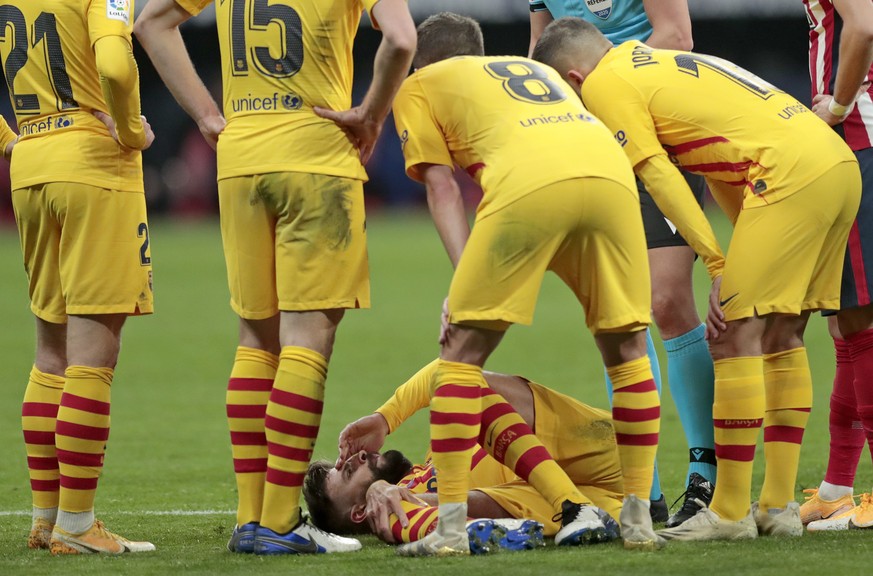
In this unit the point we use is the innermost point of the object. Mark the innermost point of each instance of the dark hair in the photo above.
(322, 510)
(446, 35)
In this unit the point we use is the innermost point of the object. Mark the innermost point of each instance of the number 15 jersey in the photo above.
(278, 60)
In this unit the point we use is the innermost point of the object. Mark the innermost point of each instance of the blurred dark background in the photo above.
(767, 37)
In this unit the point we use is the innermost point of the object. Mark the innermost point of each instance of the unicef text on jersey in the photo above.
(275, 103)
(45, 125)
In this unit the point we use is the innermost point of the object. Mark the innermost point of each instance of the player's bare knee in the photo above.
(852, 320)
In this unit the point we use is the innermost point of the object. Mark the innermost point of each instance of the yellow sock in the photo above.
(788, 386)
(636, 415)
(248, 391)
(292, 422)
(455, 416)
(81, 435)
(737, 413)
(510, 441)
(38, 419)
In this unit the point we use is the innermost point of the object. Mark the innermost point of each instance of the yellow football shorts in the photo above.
(86, 250)
(787, 257)
(587, 230)
(581, 440)
(294, 241)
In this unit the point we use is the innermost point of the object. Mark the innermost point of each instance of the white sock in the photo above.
(50, 514)
(453, 518)
(828, 491)
(75, 522)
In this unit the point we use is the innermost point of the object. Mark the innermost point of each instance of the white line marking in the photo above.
(139, 513)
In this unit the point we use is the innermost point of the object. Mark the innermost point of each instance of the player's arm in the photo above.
(675, 199)
(671, 24)
(119, 78)
(363, 123)
(446, 208)
(8, 138)
(157, 29)
(369, 432)
(856, 57)
(728, 197)
(540, 17)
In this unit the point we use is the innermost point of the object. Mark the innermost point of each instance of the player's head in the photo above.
(336, 498)
(573, 47)
(446, 35)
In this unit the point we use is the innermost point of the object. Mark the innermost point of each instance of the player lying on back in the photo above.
(389, 496)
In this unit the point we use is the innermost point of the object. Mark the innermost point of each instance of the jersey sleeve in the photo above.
(194, 7)
(368, 8)
(110, 18)
(421, 138)
(620, 106)
(537, 5)
(410, 397)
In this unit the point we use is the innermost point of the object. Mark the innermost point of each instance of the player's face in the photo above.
(347, 487)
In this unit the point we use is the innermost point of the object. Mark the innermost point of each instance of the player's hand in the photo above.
(367, 433)
(821, 102)
(715, 323)
(110, 125)
(444, 322)
(361, 128)
(820, 108)
(383, 500)
(211, 127)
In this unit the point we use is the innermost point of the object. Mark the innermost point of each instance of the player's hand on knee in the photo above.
(367, 433)
(715, 323)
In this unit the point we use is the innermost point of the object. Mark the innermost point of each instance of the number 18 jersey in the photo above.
(278, 60)
(51, 75)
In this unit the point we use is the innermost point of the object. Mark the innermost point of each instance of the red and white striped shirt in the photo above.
(824, 41)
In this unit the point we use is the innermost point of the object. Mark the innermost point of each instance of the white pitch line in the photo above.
(139, 513)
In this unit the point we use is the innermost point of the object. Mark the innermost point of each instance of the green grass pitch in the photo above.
(168, 475)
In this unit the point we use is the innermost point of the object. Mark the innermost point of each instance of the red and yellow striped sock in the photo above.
(39, 413)
(292, 422)
(510, 441)
(636, 416)
(788, 388)
(81, 435)
(422, 521)
(455, 416)
(737, 413)
(248, 391)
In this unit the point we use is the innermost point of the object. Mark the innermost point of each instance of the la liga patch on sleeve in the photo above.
(118, 10)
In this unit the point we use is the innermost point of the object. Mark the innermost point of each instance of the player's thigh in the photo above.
(857, 282)
(501, 270)
(40, 235)
(321, 241)
(604, 260)
(248, 227)
(786, 257)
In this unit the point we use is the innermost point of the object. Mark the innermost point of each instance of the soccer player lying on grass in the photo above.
(387, 495)
(792, 188)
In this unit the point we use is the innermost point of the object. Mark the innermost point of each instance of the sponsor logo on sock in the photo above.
(697, 453)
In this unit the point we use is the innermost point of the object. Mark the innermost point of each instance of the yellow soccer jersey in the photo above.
(47, 51)
(7, 135)
(513, 124)
(712, 118)
(278, 60)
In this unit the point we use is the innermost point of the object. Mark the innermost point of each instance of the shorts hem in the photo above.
(475, 317)
(626, 324)
(130, 310)
(793, 309)
(299, 307)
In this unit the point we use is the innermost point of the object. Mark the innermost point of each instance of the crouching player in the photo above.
(389, 496)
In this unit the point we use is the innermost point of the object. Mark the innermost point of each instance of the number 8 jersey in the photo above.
(513, 124)
(48, 59)
(279, 59)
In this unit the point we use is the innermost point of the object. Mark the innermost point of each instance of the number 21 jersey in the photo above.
(278, 60)
(51, 75)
